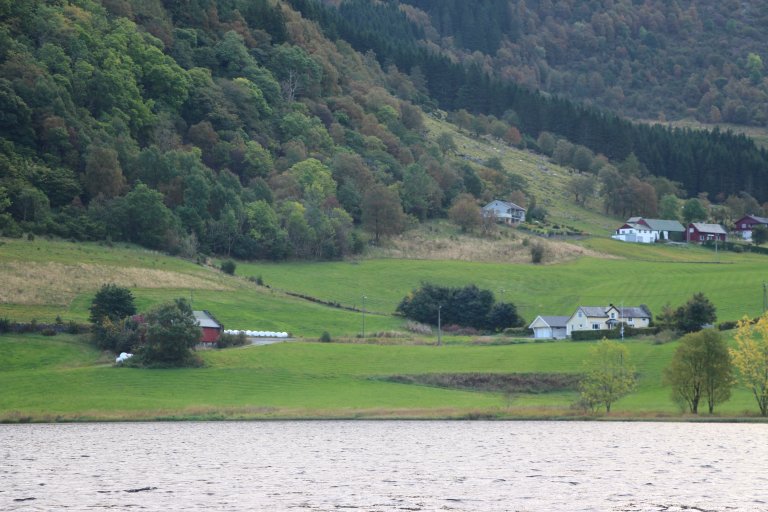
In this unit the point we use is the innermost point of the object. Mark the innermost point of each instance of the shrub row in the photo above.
(8, 326)
(611, 334)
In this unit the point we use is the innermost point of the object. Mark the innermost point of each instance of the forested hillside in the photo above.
(269, 129)
(231, 127)
(654, 59)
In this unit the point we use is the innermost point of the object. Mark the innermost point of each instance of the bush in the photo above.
(418, 328)
(325, 337)
(228, 267)
(726, 326)
(5, 325)
(611, 334)
(537, 253)
(48, 331)
(75, 328)
(232, 340)
(468, 307)
(517, 332)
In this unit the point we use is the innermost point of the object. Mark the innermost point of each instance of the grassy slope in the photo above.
(59, 378)
(546, 181)
(654, 276)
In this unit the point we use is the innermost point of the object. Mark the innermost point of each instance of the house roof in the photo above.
(655, 224)
(709, 228)
(204, 319)
(553, 321)
(624, 312)
(594, 311)
(633, 312)
(503, 204)
(664, 225)
(759, 220)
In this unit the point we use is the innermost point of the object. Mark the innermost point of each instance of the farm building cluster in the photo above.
(648, 231)
(590, 318)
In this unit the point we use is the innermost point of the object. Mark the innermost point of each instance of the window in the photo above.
(613, 315)
(596, 327)
(580, 314)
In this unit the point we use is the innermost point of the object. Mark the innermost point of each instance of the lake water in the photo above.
(385, 466)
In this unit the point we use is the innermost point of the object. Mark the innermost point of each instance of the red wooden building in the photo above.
(699, 232)
(747, 224)
(211, 328)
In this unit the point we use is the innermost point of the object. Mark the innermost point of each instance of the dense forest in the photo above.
(654, 59)
(716, 165)
(287, 129)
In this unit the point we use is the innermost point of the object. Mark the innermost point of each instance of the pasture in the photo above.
(62, 378)
(634, 275)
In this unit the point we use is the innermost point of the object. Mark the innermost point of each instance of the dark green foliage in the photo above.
(113, 303)
(760, 235)
(5, 325)
(117, 336)
(612, 334)
(468, 307)
(538, 251)
(325, 337)
(503, 315)
(232, 340)
(693, 158)
(695, 314)
(163, 123)
(171, 334)
(228, 267)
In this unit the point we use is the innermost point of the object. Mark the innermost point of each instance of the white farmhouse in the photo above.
(595, 318)
(504, 211)
(648, 231)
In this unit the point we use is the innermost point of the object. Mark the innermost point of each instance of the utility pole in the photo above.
(765, 296)
(364, 297)
(439, 337)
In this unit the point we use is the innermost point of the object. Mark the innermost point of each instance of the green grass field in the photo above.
(653, 276)
(632, 274)
(62, 378)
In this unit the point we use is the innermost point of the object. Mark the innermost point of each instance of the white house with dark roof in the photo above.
(549, 327)
(596, 318)
(504, 211)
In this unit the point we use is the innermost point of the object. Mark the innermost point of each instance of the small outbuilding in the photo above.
(211, 328)
(549, 327)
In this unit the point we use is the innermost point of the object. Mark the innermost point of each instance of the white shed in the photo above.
(549, 327)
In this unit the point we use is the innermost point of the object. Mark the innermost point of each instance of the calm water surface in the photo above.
(385, 466)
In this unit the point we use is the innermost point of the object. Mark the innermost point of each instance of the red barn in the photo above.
(699, 232)
(211, 328)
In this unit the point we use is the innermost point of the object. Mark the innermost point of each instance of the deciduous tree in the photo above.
(695, 314)
(382, 213)
(465, 213)
(607, 375)
(701, 369)
(171, 334)
(111, 302)
(750, 357)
